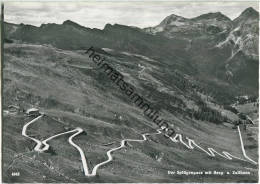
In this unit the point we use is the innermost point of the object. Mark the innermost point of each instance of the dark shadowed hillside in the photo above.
(203, 46)
(215, 41)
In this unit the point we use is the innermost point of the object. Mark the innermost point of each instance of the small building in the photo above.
(13, 109)
(32, 112)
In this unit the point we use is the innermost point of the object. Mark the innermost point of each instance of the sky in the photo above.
(96, 14)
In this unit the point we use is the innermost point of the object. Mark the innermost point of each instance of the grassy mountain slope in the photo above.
(66, 86)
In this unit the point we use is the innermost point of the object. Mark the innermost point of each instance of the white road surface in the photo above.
(42, 146)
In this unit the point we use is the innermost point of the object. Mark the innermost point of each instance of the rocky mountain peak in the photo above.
(69, 22)
(247, 16)
(210, 23)
(172, 19)
(216, 15)
(250, 12)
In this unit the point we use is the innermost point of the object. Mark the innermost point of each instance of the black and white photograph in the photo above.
(141, 91)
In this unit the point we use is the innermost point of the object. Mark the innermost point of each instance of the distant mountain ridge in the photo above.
(226, 47)
(174, 24)
(213, 24)
(211, 47)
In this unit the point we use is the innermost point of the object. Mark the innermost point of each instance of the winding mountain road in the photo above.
(42, 146)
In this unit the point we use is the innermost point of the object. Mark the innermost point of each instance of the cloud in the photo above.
(96, 14)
